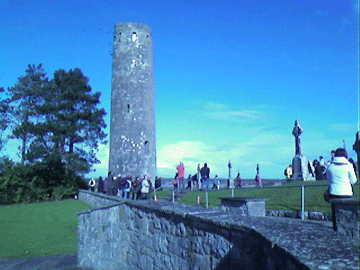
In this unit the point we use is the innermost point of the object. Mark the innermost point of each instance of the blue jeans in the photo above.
(205, 183)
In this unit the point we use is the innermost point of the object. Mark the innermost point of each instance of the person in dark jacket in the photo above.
(205, 175)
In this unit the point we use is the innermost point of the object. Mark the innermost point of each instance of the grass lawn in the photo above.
(47, 228)
(279, 198)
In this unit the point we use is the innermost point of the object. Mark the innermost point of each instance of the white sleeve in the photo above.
(352, 175)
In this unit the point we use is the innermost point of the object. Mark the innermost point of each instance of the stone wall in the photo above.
(126, 234)
(312, 215)
(346, 212)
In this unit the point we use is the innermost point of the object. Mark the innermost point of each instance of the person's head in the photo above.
(216, 175)
(341, 152)
(321, 157)
(205, 164)
(332, 153)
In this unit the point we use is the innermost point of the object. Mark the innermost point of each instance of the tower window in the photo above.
(147, 149)
(128, 107)
(119, 37)
(134, 37)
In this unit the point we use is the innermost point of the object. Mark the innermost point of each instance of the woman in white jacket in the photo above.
(145, 188)
(341, 175)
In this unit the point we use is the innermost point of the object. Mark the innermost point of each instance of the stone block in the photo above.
(290, 214)
(346, 216)
(251, 206)
(315, 215)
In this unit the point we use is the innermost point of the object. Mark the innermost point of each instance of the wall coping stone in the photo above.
(243, 199)
(345, 200)
(312, 244)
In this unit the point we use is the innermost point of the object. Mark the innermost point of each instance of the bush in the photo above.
(61, 192)
(26, 183)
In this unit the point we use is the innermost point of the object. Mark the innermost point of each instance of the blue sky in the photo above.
(231, 77)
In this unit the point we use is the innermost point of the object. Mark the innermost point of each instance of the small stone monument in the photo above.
(299, 162)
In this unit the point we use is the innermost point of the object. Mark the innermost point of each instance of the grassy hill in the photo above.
(47, 228)
(284, 197)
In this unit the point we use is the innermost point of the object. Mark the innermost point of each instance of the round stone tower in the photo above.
(132, 124)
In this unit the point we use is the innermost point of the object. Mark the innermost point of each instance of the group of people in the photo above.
(125, 187)
(318, 167)
(192, 181)
(204, 172)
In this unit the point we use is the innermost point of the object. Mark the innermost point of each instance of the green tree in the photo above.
(4, 121)
(74, 125)
(60, 128)
(24, 98)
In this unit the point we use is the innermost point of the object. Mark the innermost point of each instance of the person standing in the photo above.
(145, 188)
(181, 174)
(189, 182)
(258, 180)
(100, 185)
(288, 172)
(158, 183)
(128, 186)
(194, 180)
(332, 153)
(322, 161)
(205, 175)
(136, 188)
(318, 170)
(176, 182)
(216, 184)
(238, 181)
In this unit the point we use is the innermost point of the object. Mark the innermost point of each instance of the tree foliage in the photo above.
(24, 97)
(60, 127)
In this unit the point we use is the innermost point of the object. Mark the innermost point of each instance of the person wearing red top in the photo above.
(181, 174)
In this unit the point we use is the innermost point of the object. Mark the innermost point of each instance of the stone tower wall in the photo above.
(132, 124)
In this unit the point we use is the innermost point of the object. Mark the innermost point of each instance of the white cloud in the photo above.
(243, 155)
(210, 106)
(343, 127)
(241, 115)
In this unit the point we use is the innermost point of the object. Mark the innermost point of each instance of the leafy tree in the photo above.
(23, 100)
(60, 128)
(4, 121)
(57, 118)
(74, 123)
